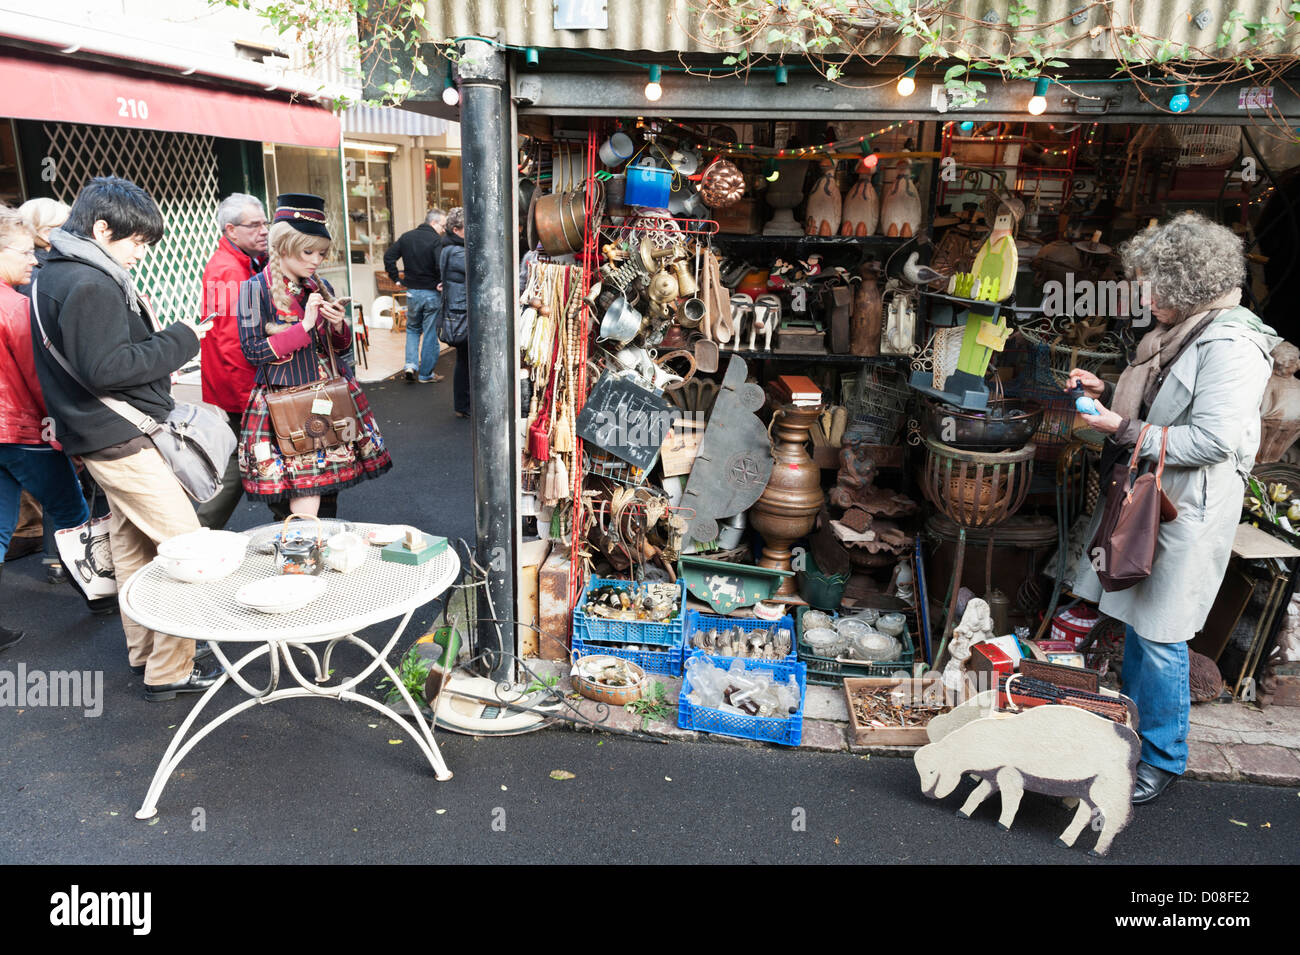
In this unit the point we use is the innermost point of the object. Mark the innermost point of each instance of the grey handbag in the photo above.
(195, 441)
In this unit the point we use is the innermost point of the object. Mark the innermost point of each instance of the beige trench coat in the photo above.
(1210, 401)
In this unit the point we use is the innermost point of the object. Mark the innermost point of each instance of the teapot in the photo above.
(299, 555)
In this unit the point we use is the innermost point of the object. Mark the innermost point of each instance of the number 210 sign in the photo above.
(132, 108)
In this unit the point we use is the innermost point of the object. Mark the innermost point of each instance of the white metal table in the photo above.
(375, 592)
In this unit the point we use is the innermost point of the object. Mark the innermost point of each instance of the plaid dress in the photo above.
(270, 475)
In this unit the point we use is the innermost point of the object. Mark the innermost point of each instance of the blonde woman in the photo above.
(288, 318)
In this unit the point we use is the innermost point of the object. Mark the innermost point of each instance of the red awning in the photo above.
(62, 92)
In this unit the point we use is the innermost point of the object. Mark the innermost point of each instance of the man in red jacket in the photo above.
(227, 375)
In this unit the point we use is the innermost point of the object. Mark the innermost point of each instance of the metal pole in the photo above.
(491, 338)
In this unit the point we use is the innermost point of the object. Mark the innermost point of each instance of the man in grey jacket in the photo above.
(1198, 380)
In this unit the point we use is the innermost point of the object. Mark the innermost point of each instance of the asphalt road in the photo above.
(310, 781)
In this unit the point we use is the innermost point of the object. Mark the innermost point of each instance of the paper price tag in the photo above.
(262, 451)
(321, 406)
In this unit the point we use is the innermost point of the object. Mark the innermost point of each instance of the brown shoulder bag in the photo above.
(314, 416)
(1124, 547)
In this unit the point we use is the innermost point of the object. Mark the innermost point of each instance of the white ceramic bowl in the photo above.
(281, 594)
(201, 556)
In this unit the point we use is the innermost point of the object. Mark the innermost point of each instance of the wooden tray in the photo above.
(930, 684)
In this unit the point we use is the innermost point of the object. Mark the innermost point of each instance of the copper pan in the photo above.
(559, 219)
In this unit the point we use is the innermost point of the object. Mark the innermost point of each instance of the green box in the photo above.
(397, 553)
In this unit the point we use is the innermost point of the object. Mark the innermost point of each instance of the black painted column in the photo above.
(488, 254)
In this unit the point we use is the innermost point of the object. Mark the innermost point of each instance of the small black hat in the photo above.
(303, 211)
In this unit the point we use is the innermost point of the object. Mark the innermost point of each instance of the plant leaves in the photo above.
(561, 774)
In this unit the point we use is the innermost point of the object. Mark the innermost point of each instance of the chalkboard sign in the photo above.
(626, 420)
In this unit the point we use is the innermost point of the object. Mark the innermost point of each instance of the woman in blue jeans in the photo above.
(1197, 381)
(27, 460)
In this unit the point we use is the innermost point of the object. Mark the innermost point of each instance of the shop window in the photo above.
(11, 184)
(442, 185)
(370, 208)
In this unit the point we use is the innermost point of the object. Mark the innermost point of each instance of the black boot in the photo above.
(8, 638)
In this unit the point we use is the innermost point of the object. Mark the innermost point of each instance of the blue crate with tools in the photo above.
(666, 634)
(787, 731)
(667, 661)
(697, 621)
(828, 671)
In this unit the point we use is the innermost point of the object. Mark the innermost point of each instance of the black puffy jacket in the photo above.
(451, 264)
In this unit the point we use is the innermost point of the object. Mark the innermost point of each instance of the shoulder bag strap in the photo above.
(142, 421)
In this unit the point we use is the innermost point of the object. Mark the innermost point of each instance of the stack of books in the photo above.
(798, 390)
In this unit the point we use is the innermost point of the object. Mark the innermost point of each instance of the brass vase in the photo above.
(789, 504)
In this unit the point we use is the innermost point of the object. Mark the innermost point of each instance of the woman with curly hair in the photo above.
(1199, 377)
(283, 336)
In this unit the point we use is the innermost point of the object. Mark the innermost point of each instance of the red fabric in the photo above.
(55, 91)
(227, 375)
(290, 340)
(22, 407)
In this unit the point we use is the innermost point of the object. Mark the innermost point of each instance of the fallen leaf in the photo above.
(440, 812)
(1237, 822)
(153, 821)
(1266, 825)
(602, 743)
(837, 840)
(668, 778)
(111, 813)
(354, 828)
(394, 742)
(373, 725)
(20, 712)
(172, 727)
(503, 789)
(561, 774)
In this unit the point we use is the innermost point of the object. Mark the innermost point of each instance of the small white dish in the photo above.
(280, 594)
(386, 534)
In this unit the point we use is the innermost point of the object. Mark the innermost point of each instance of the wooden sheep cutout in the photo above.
(1057, 750)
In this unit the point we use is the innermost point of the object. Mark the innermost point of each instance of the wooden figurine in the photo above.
(1280, 412)
(1054, 749)
(861, 208)
(900, 211)
(825, 205)
(868, 314)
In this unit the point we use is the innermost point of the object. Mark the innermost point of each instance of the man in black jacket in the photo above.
(418, 250)
(87, 304)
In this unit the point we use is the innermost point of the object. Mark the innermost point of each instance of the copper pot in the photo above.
(789, 504)
(560, 220)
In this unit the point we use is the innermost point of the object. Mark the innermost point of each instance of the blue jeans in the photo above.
(422, 308)
(49, 477)
(1156, 679)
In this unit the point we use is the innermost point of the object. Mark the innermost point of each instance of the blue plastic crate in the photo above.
(695, 621)
(787, 731)
(667, 661)
(629, 631)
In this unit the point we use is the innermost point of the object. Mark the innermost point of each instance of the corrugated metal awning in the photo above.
(389, 121)
(662, 26)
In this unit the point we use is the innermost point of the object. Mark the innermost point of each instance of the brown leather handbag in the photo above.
(314, 416)
(1124, 547)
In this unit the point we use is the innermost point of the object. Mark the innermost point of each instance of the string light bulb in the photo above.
(907, 82)
(652, 89)
(1180, 102)
(1038, 102)
(450, 95)
(967, 126)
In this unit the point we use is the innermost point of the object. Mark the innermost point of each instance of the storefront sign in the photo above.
(1255, 97)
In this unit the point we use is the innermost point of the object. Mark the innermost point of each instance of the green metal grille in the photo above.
(180, 171)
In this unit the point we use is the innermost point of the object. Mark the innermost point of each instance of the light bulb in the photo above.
(1038, 102)
(451, 96)
(652, 89)
(906, 85)
(968, 126)
(1180, 101)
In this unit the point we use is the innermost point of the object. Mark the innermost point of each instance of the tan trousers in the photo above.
(148, 506)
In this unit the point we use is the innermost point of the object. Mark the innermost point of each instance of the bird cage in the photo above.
(1207, 146)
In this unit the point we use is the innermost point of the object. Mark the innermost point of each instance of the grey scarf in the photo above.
(92, 253)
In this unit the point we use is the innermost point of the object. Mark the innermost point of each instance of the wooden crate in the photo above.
(929, 685)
